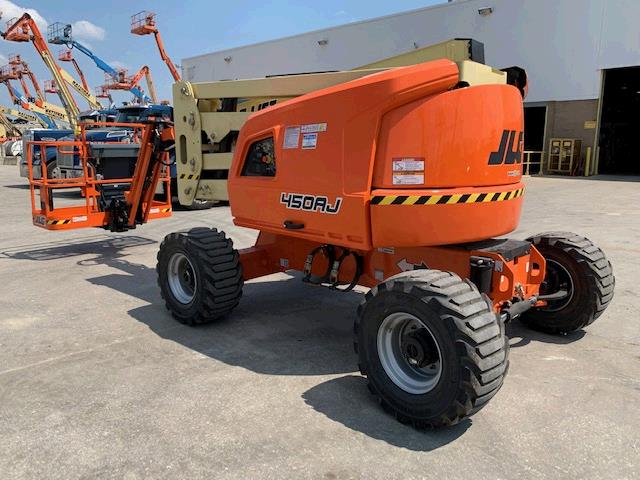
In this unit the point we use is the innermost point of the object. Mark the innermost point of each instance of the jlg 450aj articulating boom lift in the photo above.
(397, 180)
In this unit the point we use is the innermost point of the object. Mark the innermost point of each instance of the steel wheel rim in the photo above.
(408, 377)
(560, 304)
(182, 279)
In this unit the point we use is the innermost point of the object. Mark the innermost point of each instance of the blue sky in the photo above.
(188, 27)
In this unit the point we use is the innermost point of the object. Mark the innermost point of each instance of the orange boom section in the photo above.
(398, 158)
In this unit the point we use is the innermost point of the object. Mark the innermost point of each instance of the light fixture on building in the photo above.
(323, 42)
(485, 11)
(228, 59)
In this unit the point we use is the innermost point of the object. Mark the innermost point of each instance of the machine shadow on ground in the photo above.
(520, 336)
(103, 245)
(347, 400)
(281, 327)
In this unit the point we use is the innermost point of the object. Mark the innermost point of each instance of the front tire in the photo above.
(431, 346)
(199, 275)
(578, 266)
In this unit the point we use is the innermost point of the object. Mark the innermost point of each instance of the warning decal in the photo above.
(408, 178)
(408, 171)
(408, 164)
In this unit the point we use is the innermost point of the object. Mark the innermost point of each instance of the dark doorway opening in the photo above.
(620, 122)
(534, 125)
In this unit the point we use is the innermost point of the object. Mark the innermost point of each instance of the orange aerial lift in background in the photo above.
(125, 82)
(50, 86)
(102, 91)
(24, 29)
(144, 23)
(22, 69)
(65, 55)
(46, 112)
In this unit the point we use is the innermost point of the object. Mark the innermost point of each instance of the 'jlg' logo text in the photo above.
(310, 203)
(506, 154)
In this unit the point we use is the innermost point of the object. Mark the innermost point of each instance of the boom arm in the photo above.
(147, 74)
(84, 93)
(108, 69)
(165, 57)
(22, 69)
(23, 115)
(41, 112)
(67, 57)
(11, 129)
(25, 30)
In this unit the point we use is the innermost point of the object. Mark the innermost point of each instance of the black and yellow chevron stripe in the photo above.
(446, 199)
(165, 210)
(184, 176)
(58, 222)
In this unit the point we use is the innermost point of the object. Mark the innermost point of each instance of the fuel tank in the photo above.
(405, 157)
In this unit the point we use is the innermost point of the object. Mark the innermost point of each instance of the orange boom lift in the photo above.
(125, 82)
(144, 23)
(399, 181)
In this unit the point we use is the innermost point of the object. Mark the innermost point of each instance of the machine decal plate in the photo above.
(446, 199)
(291, 137)
(310, 203)
(309, 141)
(314, 128)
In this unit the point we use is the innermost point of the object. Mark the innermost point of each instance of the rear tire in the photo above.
(201, 205)
(199, 274)
(576, 264)
(448, 364)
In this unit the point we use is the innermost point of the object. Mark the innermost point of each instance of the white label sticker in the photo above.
(291, 137)
(408, 165)
(314, 127)
(389, 250)
(309, 140)
(411, 178)
(82, 218)
(154, 210)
